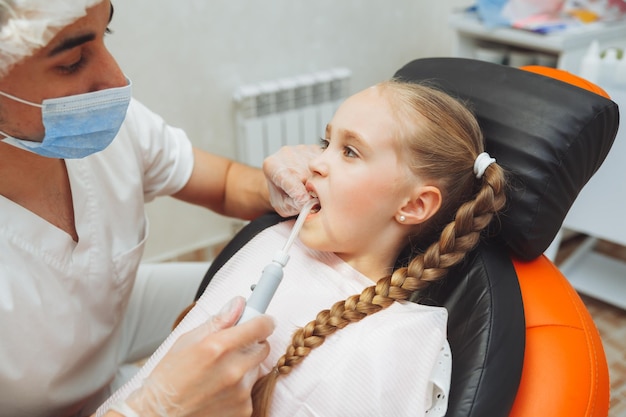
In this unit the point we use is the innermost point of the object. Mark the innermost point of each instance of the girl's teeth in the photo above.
(317, 206)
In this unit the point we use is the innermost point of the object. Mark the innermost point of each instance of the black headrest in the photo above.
(549, 135)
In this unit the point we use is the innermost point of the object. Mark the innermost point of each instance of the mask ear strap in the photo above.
(21, 100)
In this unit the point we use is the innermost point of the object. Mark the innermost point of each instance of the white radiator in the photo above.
(286, 111)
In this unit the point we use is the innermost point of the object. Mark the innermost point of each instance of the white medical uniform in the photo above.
(396, 362)
(62, 302)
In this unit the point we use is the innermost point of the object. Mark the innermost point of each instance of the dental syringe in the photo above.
(272, 274)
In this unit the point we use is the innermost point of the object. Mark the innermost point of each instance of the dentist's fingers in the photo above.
(209, 370)
(286, 171)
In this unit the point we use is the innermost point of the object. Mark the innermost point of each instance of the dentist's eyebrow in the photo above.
(75, 41)
(71, 43)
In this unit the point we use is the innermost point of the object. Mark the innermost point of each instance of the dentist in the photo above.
(78, 159)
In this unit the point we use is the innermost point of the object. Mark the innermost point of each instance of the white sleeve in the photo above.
(165, 152)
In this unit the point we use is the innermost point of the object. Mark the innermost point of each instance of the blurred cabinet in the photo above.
(598, 212)
(566, 47)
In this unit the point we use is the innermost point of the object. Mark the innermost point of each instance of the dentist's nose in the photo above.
(109, 74)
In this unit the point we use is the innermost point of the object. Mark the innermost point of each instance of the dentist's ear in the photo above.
(422, 205)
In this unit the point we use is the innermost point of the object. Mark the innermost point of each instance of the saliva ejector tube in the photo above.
(272, 274)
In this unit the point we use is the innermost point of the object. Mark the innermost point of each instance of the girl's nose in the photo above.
(318, 165)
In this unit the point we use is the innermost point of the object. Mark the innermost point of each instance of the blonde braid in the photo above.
(458, 238)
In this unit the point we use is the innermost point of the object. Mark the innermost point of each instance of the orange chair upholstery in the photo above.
(565, 371)
(566, 77)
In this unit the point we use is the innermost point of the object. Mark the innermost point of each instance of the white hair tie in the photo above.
(481, 163)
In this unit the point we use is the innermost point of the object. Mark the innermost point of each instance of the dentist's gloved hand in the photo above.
(286, 171)
(209, 371)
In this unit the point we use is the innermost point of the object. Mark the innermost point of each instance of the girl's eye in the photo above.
(324, 143)
(349, 152)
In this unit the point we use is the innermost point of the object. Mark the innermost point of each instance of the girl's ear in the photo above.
(423, 204)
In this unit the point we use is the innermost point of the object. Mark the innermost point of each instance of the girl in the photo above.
(401, 170)
(402, 165)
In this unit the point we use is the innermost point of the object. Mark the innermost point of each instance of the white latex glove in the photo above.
(208, 371)
(286, 172)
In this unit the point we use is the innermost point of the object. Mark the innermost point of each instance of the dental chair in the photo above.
(523, 343)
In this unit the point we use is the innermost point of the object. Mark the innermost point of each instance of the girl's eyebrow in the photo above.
(355, 137)
(352, 136)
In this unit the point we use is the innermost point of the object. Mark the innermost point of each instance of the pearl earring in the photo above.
(402, 219)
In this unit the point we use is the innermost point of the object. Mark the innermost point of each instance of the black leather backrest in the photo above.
(550, 135)
(486, 332)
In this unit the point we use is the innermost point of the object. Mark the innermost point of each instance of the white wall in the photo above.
(186, 57)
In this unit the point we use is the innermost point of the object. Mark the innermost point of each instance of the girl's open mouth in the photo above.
(317, 207)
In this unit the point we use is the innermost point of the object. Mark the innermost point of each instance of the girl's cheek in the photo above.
(353, 199)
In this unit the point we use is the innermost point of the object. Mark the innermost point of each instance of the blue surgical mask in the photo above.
(77, 126)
